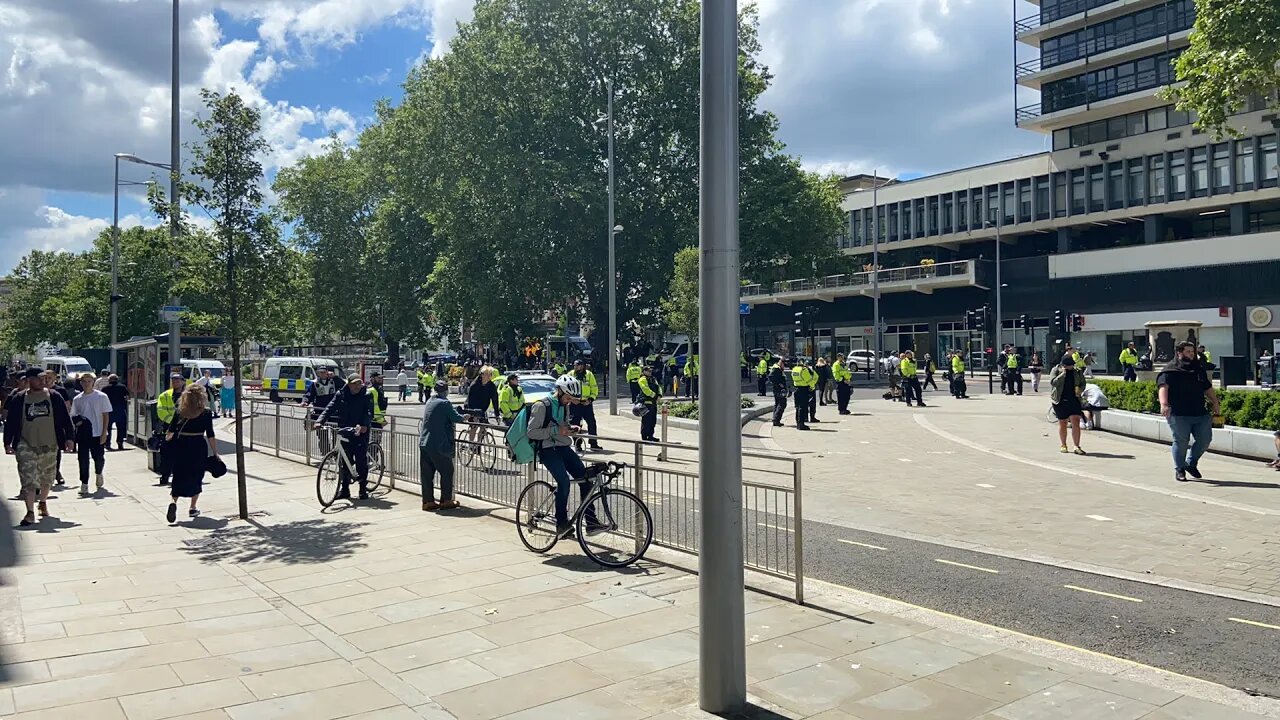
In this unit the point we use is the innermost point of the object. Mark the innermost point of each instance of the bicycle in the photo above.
(623, 527)
(328, 476)
(482, 451)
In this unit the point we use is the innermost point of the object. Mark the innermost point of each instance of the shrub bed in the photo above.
(689, 410)
(1255, 409)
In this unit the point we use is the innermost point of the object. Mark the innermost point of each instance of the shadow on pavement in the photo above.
(1239, 483)
(1111, 456)
(582, 564)
(301, 541)
(755, 712)
(52, 525)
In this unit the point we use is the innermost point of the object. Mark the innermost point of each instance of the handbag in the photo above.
(214, 466)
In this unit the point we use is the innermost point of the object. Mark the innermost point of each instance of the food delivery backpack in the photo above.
(522, 448)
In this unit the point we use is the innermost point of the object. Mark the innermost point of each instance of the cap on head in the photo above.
(176, 376)
(1068, 359)
(32, 373)
(355, 377)
(442, 388)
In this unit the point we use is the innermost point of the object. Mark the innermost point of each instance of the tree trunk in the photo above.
(393, 352)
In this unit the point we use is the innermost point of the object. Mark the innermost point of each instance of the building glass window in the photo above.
(1062, 139)
(906, 220)
(1199, 172)
(1222, 167)
(1097, 189)
(977, 212)
(1077, 192)
(1244, 164)
(880, 224)
(1115, 185)
(1024, 201)
(1059, 195)
(1006, 204)
(1157, 119)
(1267, 154)
(962, 210)
(1042, 197)
(933, 215)
(1178, 118)
(1178, 175)
(893, 223)
(1102, 84)
(946, 214)
(1137, 183)
(1155, 179)
(1173, 16)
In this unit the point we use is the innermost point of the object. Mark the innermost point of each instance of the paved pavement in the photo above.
(382, 611)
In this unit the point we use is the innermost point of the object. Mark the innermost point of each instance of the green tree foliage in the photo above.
(1234, 54)
(500, 144)
(680, 306)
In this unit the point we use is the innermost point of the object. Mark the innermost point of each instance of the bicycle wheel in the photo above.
(488, 452)
(327, 479)
(536, 516)
(467, 450)
(621, 531)
(377, 466)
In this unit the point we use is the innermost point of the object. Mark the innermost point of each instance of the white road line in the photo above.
(923, 422)
(1099, 518)
(904, 459)
(986, 485)
(1104, 594)
(860, 544)
(1255, 623)
(971, 567)
(775, 527)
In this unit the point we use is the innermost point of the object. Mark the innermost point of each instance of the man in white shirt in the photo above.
(1092, 400)
(91, 413)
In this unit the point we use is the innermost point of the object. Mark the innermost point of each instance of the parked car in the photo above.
(860, 360)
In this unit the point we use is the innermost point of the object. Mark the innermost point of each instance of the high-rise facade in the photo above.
(1133, 215)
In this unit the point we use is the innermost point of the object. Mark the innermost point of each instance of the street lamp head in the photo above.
(617, 229)
(130, 157)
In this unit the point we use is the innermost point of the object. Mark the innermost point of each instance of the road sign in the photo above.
(744, 308)
(169, 313)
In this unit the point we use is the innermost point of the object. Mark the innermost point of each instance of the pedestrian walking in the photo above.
(1129, 363)
(1090, 359)
(37, 425)
(402, 383)
(59, 392)
(1067, 385)
(930, 367)
(844, 389)
(91, 416)
(118, 394)
(893, 368)
(778, 376)
(227, 395)
(190, 444)
(959, 388)
(436, 450)
(166, 412)
(1035, 367)
(910, 379)
(824, 380)
(1186, 397)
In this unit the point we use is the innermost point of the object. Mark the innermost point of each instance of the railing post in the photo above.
(798, 535)
(662, 452)
(308, 435)
(277, 430)
(248, 406)
(638, 483)
(389, 452)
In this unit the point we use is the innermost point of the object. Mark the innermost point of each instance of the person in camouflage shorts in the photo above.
(36, 425)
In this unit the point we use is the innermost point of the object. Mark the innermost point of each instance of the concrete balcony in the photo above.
(914, 278)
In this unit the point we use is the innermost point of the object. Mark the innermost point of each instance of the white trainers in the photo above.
(100, 480)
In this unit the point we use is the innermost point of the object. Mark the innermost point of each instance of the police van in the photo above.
(194, 370)
(291, 377)
(67, 366)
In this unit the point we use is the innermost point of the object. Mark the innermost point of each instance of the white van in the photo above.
(193, 370)
(67, 366)
(291, 376)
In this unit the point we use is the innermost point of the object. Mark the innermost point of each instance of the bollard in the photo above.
(307, 436)
(662, 452)
(389, 452)
(638, 488)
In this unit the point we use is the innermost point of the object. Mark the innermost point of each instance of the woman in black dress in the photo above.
(190, 441)
(1067, 385)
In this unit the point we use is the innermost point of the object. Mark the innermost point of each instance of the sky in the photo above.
(902, 87)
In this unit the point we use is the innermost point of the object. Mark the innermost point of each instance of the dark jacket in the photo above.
(118, 394)
(14, 418)
(314, 397)
(778, 377)
(348, 409)
(439, 418)
(482, 396)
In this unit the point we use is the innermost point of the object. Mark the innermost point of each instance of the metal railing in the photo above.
(1027, 112)
(910, 273)
(1026, 23)
(662, 474)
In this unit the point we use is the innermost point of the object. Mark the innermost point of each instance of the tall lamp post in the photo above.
(175, 203)
(614, 229)
(115, 246)
(175, 356)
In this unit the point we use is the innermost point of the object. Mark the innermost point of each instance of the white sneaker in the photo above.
(100, 480)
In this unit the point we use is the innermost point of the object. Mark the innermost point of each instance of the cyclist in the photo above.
(586, 412)
(551, 432)
(380, 401)
(317, 397)
(352, 408)
(510, 399)
(482, 395)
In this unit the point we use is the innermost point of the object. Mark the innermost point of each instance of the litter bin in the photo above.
(1235, 370)
(147, 425)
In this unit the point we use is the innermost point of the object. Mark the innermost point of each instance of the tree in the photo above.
(680, 306)
(499, 145)
(1234, 55)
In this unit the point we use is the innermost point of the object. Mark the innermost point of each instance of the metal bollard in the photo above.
(389, 452)
(662, 452)
(308, 435)
(249, 408)
(798, 535)
(638, 486)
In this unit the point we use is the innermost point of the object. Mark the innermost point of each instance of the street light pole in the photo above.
(115, 265)
(175, 204)
(875, 268)
(722, 636)
(612, 368)
(999, 294)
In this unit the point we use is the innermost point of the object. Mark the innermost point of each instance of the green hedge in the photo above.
(1243, 408)
(690, 409)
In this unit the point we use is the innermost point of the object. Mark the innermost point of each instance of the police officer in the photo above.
(910, 380)
(692, 368)
(633, 379)
(585, 412)
(762, 375)
(930, 368)
(510, 398)
(1129, 362)
(426, 381)
(778, 376)
(844, 390)
(805, 382)
(1013, 368)
(670, 373)
(166, 408)
(318, 397)
(380, 401)
(649, 394)
(959, 388)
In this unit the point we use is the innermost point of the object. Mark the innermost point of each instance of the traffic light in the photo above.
(1059, 322)
(1077, 322)
(1024, 323)
(971, 320)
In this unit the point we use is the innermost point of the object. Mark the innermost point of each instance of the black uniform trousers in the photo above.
(779, 406)
(635, 391)
(760, 383)
(585, 414)
(649, 422)
(959, 387)
(358, 449)
(803, 396)
(843, 393)
(911, 390)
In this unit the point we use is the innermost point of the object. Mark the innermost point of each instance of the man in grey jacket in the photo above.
(435, 449)
(549, 428)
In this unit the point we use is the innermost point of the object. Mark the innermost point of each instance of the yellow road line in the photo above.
(971, 567)
(865, 545)
(1104, 594)
(1255, 623)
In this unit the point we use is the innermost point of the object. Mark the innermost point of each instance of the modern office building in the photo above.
(1134, 215)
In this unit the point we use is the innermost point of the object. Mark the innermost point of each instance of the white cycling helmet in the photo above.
(569, 385)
